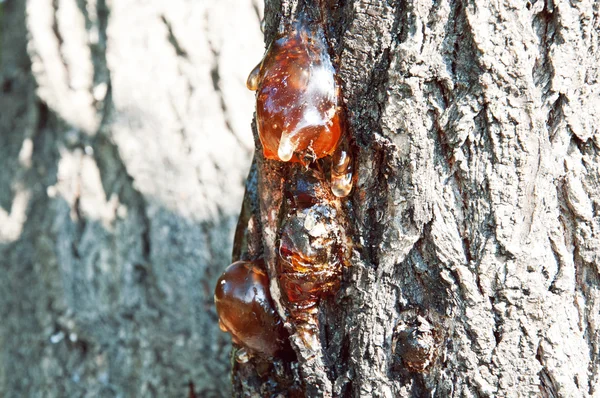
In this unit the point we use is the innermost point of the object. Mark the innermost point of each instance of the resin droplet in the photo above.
(341, 185)
(286, 148)
(222, 326)
(242, 356)
(253, 77)
(297, 96)
(341, 172)
(246, 311)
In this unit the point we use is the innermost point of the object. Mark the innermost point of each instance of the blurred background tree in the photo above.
(125, 141)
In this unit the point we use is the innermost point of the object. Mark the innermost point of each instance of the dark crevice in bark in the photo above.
(560, 267)
(79, 217)
(404, 22)
(556, 117)
(101, 72)
(371, 224)
(338, 15)
(179, 50)
(498, 321)
(116, 180)
(548, 387)
(470, 188)
(183, 59)
(423, 285)
(43, 116)
(462, 193)
(247, 242)
(545, 24)
(464, 61)
(82, 6)
(60, 41)
(44, 159)
(343, 382)
(582, 145)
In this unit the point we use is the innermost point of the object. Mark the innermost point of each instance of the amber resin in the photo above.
(341, 170)
(298, 110)
(310, 250)
(246, 310)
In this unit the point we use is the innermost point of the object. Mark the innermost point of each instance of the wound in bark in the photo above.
(414, 345)
(300, 121)
(312, 250)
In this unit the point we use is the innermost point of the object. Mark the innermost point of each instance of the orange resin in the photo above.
(297, 102)
(246, 310)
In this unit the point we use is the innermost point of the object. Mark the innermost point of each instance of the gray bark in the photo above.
(476, 215)
(124, 145)
(475, 219)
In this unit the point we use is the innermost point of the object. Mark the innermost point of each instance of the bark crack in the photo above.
(179, 50)
(545, 25)
(215, 76)
(548, 387)
(60, 41)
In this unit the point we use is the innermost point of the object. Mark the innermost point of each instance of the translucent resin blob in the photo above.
(310, 250)
(246, 310)
(297, 102)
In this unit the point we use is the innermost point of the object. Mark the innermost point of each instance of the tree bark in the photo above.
(475, 219)
(124, 145)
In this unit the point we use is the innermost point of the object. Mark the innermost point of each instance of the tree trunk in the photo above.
(124, 143)
(474, 221)
(475, 218)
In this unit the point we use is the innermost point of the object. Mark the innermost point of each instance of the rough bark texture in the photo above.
(476, 214)
(125, 141)
(475, 218)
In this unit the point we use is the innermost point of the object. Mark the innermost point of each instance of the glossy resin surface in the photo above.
(246, 310)
(298, 99)
(310, 250)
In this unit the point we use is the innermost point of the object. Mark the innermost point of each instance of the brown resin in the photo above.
(341, 170)
(310, 251)
(298, 110)
(246, 310)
